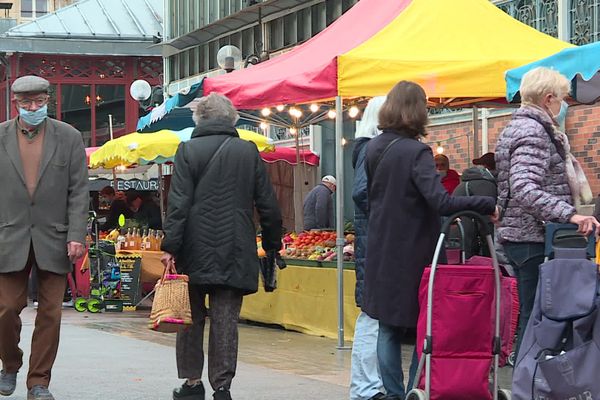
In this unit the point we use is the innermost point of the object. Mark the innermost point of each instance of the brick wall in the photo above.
(583, 129)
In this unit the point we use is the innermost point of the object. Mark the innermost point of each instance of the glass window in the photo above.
(303, 24)
(276, 33)
(76, 109)
(317, 18)
(41, 8)
(27, 8)
(290, 28)
(110, 100)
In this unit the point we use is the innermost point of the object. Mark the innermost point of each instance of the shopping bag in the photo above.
(171, 309)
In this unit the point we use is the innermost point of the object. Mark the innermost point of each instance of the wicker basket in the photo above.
(171, 310)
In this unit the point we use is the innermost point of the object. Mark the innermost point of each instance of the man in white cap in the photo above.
(43, 225)
(318, 205)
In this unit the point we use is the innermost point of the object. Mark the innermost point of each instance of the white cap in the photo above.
(329, 179)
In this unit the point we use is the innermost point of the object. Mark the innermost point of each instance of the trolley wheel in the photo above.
(504, 394)
(512, 358)
(80, 304)
(418, 394)
(95, 306)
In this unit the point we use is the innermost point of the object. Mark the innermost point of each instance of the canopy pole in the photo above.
(475, 134)
(161, 190)
(110, 126)
(339, 197)
(114, 171)
(484, 130)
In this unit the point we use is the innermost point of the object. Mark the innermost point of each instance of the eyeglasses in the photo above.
(26, 103)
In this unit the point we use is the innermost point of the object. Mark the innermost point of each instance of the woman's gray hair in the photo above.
(215, 106)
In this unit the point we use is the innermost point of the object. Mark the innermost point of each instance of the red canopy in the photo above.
(89, 151)
(309, 72)
(288, 155)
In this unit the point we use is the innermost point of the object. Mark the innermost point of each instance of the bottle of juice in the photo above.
(143, 242)
(151, 240)
(159, 238)
(138, 239)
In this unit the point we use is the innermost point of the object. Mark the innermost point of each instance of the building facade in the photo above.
(193, 43)
(15, 12)
(89, 78)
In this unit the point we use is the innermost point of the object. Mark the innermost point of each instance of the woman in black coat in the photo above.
(406, 201)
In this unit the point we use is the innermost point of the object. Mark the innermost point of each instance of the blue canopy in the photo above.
(158, 119)
(580, 64)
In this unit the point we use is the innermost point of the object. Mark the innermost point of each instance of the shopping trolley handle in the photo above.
(483, 224)
(552, 228)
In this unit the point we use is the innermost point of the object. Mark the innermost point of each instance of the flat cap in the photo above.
(30, 84)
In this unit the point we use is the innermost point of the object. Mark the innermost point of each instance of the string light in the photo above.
(280, 107)
(314, 108)
(353, 112)
(331, 114)
(264, 126)
(344, 141)
(440, 149)
(296, 113)
(293, 131)
(266, 112)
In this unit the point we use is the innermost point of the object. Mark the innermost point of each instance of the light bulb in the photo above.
(298, 113)
(293, 131)
(280, 107)
(265, 112)
(314, 108)
(440, 149)
(331, 114)
(264, 126)
(353, 112)
(344, 141)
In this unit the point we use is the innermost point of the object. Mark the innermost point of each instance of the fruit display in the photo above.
(316, 246)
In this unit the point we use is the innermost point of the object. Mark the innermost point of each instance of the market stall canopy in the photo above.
(172, 104)
(309, 71)
(158, 147)
(455, 49)
(579, 64)
(288, 155)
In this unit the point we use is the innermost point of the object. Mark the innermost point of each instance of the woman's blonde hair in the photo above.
(541, 81)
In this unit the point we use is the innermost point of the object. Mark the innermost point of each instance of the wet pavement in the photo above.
(114, 356)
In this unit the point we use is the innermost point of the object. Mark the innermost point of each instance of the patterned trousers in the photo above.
(224, 312)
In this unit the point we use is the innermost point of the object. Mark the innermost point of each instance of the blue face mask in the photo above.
(33, 118)
(562, 114)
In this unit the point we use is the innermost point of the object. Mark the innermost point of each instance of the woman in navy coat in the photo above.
(406, 202)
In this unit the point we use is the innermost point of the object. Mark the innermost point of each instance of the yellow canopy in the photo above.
(158, 147)
(453, 48)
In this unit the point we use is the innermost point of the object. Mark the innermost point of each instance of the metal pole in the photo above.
(110, 126)
(484, 130)
(563, 20)
(475, 133)
(161, 189)
(339, 196)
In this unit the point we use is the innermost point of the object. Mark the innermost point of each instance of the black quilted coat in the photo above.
(209, 226)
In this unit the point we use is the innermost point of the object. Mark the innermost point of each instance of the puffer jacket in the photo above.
(209, 225)
(532, 163)
(361, 209)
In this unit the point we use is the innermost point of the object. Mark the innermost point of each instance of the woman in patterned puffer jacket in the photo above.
(533, 183)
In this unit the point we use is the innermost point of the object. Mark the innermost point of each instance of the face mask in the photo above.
(562, 114)
(34, 118)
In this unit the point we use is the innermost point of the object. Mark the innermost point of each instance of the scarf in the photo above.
(580, 187)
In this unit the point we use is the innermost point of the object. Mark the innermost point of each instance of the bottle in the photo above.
(128, 244)
(143, 240)
(120, 241)
(159, 238)
(151, 240)
(138, 239)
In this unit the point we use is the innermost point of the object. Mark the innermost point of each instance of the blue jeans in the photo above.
(525, 258)
(389, 352)
(365, 378)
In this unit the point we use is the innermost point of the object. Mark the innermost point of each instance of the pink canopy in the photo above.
(288, 155)
(309, 72)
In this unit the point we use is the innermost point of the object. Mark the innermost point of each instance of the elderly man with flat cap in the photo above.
(43, 222)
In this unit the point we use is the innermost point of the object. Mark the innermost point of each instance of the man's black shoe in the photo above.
(39, 392)
(379, 396)
(187, 392)
(222, 394)
(8, 383)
